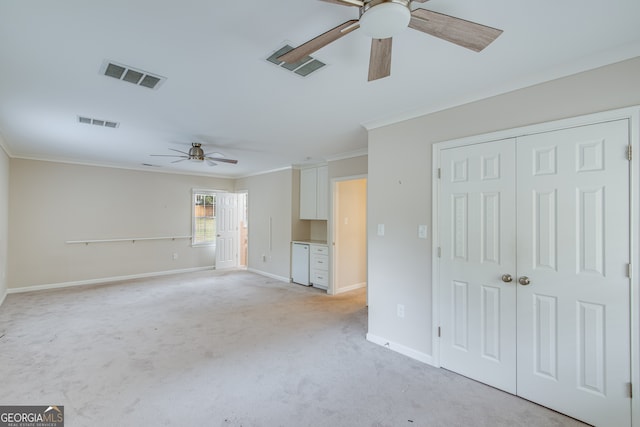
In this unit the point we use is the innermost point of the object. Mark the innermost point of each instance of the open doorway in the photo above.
(349, 234)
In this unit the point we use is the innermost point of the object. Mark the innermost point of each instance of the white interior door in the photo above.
(478, 309)
(570, 246)
(227, 233)
(573, 245)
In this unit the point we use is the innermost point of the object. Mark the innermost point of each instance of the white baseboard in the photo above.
(272, 276)
(350, 288)
(103, 280)
(399, 348)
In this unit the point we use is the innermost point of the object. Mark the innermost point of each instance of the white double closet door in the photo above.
(534, 288)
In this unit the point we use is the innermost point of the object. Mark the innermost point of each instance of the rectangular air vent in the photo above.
(98, 122)
(304, 67)
(131, 75)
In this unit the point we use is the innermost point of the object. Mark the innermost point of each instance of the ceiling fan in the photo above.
(196, 153)
(382, 19)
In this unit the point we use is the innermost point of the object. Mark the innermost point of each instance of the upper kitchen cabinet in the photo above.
(314, 193)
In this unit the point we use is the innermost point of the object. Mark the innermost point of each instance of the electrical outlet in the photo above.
(175, 255)
(422, 231)
(400, 310)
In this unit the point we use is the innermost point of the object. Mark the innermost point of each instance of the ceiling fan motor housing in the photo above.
(382, 19)
(196, 152)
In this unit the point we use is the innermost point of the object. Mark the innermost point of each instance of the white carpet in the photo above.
(228, 349)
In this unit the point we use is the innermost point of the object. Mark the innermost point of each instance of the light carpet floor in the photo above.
(228, 349)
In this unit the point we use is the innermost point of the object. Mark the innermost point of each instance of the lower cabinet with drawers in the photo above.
(319, 266)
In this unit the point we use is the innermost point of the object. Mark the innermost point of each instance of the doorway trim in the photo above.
(633, 115)
(331, 241)
(244, 194)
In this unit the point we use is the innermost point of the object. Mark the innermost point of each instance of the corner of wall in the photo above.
(3, 296)
(402, 349)
(300, 229)
(4, 219)
(3, 146)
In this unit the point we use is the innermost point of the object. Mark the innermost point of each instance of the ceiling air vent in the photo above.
(304, 67)
(131, 75)
(98, 122)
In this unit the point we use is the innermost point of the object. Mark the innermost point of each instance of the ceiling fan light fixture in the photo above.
(196, 152)
(382, 19)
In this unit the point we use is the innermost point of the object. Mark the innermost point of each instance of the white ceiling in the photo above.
(222, 92)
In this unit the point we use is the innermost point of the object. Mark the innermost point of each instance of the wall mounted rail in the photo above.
(128, 239)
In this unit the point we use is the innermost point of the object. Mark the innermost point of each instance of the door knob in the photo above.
(507, 278)
(524, 280)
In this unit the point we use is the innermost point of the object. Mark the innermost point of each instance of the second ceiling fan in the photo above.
(197, 154)
(382, 19)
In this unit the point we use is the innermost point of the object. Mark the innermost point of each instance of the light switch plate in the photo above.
(380, 229)
(422, 231)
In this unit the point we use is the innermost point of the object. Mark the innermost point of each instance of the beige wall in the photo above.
(318, 230)
(352, 166)
(400, 185)
(270, 221)
(51, 203)
(4, 221)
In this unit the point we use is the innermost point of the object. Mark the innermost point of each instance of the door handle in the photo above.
(507, 278)
(524, 280)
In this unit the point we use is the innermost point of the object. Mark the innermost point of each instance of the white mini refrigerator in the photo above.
(300, 263)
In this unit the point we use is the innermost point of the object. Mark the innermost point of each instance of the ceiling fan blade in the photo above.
(455, 30)
(218, 159)
(210, 163)
(180, 160)
(214, 154)
(165, 155)
(380, 59)
(419, 1)
(321, 41)
(356, 3)
(182, 152)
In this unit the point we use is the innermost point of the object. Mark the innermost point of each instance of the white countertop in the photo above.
(311, 242)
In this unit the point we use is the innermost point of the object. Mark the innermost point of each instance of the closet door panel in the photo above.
(573, 246)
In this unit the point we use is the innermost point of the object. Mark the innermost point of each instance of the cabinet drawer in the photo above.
(319, 262)
(320, 278)
(320, 249)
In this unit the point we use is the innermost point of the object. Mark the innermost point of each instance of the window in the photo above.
(204, 217)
